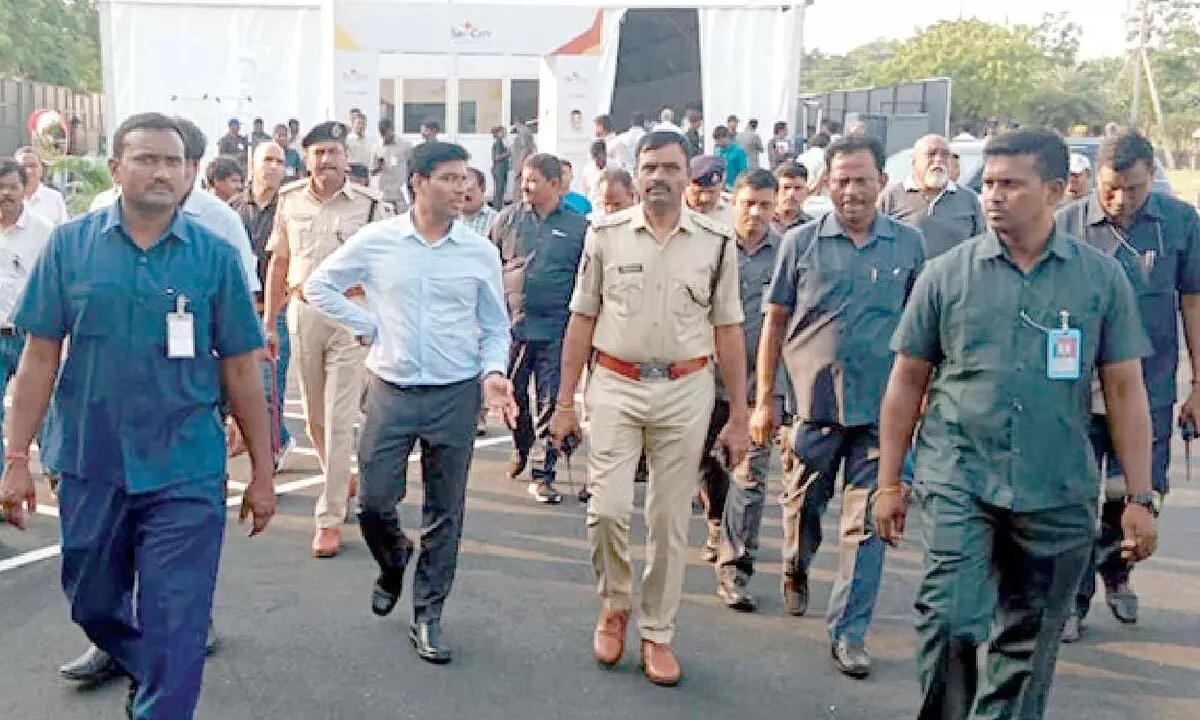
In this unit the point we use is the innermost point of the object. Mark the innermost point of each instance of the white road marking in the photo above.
(51, 551)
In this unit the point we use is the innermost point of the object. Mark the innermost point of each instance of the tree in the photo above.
(1058, 38)
(52, 41)
(993, 68)
(1067, 98)
(857, 68)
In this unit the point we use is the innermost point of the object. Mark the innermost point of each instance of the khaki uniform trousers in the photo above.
(330, 363)
(668, 419)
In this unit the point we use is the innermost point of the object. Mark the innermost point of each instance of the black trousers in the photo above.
(442, 419)
(714, 479)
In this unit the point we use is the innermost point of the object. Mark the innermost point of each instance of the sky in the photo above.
(836, 27)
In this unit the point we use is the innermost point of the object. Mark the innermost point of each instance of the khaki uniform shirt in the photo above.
(656, 301)
(307, 230)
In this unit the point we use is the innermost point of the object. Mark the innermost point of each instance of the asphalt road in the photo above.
(299, 643)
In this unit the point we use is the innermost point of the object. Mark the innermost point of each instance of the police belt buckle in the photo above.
(654, 371)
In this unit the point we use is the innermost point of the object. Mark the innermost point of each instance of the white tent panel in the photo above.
(212, 64)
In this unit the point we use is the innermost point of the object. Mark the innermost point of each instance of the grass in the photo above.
(1186, 184)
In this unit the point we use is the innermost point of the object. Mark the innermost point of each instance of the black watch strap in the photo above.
(1147, 500)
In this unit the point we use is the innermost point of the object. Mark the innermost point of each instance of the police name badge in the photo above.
(181, 332)
(1063, 352)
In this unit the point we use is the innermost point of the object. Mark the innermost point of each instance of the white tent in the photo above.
(473, 62)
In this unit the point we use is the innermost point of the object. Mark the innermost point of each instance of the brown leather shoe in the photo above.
(659, 664)
(326, 542)
(608, 642)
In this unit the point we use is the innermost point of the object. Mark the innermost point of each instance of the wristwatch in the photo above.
(1147, 500)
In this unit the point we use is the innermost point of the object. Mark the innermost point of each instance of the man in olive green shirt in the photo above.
(1012, 326)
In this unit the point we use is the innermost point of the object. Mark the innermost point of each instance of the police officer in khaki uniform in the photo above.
(314, 217)
(704, 192)
(656, 296)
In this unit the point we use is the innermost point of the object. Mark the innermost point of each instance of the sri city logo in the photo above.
(469, 31)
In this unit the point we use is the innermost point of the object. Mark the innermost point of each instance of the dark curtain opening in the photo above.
(658, 64)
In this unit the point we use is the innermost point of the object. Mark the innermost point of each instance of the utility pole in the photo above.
(1136, 57)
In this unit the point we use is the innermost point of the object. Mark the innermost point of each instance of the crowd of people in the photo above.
(983, 358)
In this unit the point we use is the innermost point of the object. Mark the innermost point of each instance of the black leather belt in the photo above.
(8, 331)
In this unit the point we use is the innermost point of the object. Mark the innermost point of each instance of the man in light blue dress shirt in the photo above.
(431, 280)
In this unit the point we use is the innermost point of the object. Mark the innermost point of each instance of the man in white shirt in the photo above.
(357, 145)
(206, 208)
(23, 234)
(43, 200)
(631, 137)
(666, 122)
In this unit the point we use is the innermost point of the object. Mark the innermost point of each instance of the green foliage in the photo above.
(51, 41)
(86, 177)
(1032, 73)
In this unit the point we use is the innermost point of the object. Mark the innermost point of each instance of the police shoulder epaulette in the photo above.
(294, 185)
(368, 193)
(614, 219)
(711, 225)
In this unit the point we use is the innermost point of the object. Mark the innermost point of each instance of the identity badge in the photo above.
(1062, 354)
(181, 332)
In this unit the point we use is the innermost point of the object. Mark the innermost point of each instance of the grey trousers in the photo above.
(442, 419)
(988, 567)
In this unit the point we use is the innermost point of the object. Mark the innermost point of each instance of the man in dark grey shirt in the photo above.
(946, 213)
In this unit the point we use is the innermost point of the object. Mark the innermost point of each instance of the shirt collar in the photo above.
(991, 247)
(1097, 216)
(685, 223)
(910, 184)
(830, 227)
(771, 239)
(114, 220)
(20, 223)
(527, 207)
(407, 229)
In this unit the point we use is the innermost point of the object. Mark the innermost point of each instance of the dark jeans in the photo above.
(714, 479)
(442, 419)
(1106, 554)
(989, 567)
(170, 541)
(535, 362)
(281, 371)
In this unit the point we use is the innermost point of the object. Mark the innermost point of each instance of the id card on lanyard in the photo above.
(1063, 349)
(181, 332)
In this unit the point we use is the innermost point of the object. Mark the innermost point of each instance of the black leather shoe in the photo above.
(390, 584)
(795, 594)
(1123, 602)
(93, 666)
(426, 638)
(516, 465)
(731, 588)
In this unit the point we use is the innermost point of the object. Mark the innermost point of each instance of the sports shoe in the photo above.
(544, 493)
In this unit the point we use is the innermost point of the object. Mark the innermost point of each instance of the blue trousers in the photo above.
(821, 450)
(535, 362)
(285, 356)
(170, 541)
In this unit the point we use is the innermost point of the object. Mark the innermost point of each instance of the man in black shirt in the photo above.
(232, 144)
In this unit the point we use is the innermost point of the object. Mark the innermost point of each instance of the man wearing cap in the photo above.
(314, 217)
(930, 201)
(1079, 180)
(703, 193)
(232, 144)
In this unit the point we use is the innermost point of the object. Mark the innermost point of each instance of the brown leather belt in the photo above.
(353, 292)
(650, 371)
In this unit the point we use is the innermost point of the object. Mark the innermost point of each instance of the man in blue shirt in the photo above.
(577, 202)
(540, 243)
(159, 319)
(732, 153)
(429, 279)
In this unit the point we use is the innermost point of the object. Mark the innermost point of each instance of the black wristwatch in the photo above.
(1145, 499)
